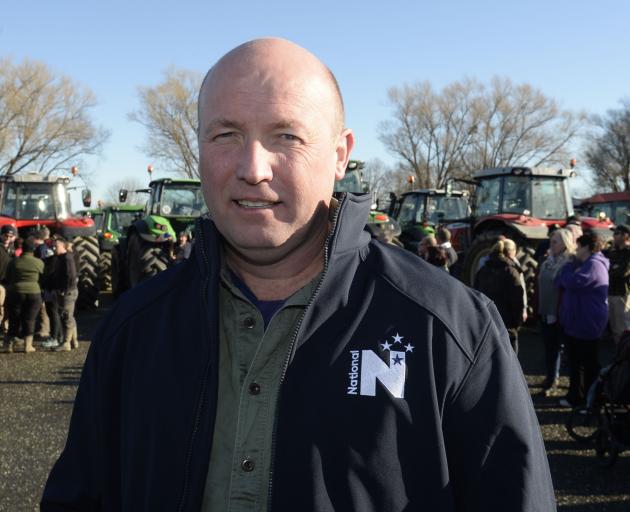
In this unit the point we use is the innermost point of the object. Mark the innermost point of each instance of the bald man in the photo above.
(293, 363)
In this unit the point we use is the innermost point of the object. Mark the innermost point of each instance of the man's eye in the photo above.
(223, 136)
(290, 137)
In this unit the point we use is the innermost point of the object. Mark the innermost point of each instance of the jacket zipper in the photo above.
(287, 359)
(204, 384)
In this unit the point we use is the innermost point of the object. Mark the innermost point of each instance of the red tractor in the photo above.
(519, 203)
(613, 205)
(30, 201)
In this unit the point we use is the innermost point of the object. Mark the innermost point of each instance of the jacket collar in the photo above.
(348, 221)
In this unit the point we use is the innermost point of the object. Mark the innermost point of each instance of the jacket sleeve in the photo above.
(496, 455)
(71, 273)
(516, 297)
(74, 482)
(10, 278)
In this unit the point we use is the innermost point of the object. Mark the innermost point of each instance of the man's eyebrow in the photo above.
(280, 125)
(221, 123)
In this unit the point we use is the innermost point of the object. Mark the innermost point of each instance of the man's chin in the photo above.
(259, 249)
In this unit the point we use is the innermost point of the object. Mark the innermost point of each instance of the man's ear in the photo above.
(344, 146)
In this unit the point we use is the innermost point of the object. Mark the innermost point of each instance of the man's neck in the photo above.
(280, 279)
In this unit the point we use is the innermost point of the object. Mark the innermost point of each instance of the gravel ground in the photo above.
(37, 392)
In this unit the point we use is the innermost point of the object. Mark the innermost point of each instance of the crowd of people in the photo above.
(38, 291)
(582, 287)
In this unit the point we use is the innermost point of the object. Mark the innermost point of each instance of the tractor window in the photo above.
(488, 197)
(10, 201)
(620, 213)
(351, 182)
(98, 220)
(517, 195)
(122, 220)
(443, 207)
(411, 209)
(549, 199)
(29, 201)
(184, 201)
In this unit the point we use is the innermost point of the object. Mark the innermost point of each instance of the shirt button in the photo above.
(248, 465)
(254, 388)
(249, 322)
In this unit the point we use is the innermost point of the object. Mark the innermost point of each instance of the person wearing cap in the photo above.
(7, 236)
(64, 285)
(619, 276)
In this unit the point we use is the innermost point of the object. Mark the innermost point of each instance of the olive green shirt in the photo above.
(251, 366)
(24, 273)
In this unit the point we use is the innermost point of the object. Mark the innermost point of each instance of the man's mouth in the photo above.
(255, 204)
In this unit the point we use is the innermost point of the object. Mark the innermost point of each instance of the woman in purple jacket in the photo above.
(583, 313)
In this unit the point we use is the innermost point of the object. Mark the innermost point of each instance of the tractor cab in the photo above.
(539, 193)
(610, 205)
(381, 225)
(419, 212)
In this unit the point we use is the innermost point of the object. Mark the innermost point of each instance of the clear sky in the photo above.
(575, 51)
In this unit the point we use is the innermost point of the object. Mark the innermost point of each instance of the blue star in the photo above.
(386, 346)
(397, 338)
(398, 359)
(408, 347)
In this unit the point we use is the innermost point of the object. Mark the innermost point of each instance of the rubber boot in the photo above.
(28, 344)
(74, 342)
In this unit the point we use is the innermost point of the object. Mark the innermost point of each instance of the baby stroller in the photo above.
(605, 419)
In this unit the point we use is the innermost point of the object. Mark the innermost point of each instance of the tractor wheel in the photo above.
(525, 255)
(474, 258)
(144, 260)
(87, 257)
(105, 270)
(119, 278)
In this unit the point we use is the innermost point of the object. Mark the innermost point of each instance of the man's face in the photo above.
(60, 247)
(7, 238)
(556, 244)
(621, 239)
(269, 157)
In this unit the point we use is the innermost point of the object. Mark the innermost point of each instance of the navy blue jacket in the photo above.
(402, 393)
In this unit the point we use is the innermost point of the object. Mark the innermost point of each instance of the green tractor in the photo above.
(147, 248)
(382, 226)
(112, 222)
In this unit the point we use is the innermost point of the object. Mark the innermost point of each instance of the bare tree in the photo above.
(169, 113)
(519, 125)
(431, 131)
(44, 120)
(467, 126)
(608, 150)
(129, 184)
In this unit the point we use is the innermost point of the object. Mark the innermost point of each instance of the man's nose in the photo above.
(255, 164)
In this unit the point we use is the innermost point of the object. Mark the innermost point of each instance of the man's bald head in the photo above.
(260, 57)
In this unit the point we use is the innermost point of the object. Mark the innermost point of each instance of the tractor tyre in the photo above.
(144, 259)
(105, 271)
(525, 255)
(478, 250)
(87, 257)
(119, 277)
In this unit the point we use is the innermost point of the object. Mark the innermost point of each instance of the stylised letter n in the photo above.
(392, 376)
